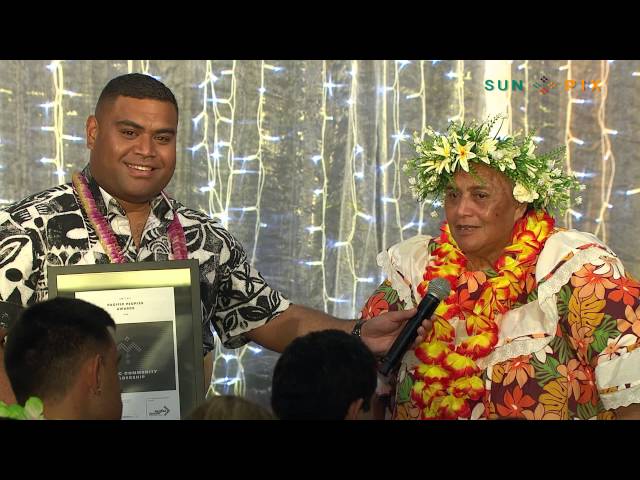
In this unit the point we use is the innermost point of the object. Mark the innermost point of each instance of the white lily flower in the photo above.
(488, 146)
(485, 149)
(444, 165)
(445, 150)
(465, 154)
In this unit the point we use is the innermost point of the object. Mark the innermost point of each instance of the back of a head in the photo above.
(135, 85)
(319, 375)
(46, 347)
(228, 407)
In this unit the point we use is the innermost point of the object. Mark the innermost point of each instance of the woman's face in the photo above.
(481, 212)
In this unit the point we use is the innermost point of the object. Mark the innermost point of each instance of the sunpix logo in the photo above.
(543, 84)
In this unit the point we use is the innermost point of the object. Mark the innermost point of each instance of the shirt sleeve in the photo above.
(244, 299)
(602, 306)
(18, 262)
(384, 299)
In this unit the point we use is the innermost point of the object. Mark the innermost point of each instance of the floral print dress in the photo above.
(568, 349)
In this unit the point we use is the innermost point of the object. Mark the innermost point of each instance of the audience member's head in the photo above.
(228, 407)
(63, 352)
(326, 375)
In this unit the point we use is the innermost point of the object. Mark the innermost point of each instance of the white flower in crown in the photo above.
(487, 148)
(444, 150)
(544, 179)
(498, 155)
(523, 195)
(505, 159)
(437, 165)
(464, 154)
(530, 148)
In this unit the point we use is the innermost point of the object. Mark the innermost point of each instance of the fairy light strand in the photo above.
(607, 159)
(569, 138)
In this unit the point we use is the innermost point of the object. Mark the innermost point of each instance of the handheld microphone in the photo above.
(439, 289)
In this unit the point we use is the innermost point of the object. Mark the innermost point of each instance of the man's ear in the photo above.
(354, 409)
(94, 372)
(92, 131)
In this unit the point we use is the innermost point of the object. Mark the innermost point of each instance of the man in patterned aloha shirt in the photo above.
(541, 323)
(115, 210)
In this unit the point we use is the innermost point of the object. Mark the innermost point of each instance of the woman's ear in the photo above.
(521, 209)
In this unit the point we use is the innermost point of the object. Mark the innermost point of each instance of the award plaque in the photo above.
(156, 307)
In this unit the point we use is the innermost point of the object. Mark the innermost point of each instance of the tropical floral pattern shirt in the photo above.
(581, 362)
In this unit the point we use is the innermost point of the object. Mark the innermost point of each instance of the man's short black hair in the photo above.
(320, 374)
(48, 344)
(135, 85)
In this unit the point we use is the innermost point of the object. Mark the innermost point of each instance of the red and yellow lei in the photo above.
(449, 381)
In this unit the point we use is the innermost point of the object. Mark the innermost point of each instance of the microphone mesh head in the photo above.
(439, 288)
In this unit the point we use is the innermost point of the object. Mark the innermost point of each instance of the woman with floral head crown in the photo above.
(541, 323)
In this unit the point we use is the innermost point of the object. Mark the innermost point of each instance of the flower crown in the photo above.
(536, 179)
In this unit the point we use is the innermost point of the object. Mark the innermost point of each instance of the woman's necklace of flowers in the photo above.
(448, 377)
(105, 233)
